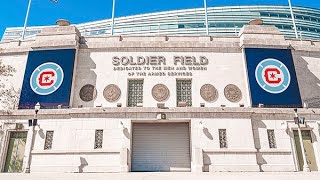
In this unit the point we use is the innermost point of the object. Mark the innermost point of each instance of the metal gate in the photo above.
(160, 147)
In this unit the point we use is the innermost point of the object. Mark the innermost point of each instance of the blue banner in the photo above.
(48, 78)
(272, 78)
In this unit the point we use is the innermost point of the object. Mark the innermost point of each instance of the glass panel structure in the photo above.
(184, 93)
(135, 92)
(223, 20)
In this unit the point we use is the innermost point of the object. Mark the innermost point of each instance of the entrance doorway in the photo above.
(15, 152)
(308, 147)
(160, 147)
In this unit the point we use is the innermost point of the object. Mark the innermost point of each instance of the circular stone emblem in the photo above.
(46, 78)
(111, 93)
(272, 76)
(232, 93)
(160, 92)
(88, 93)
(208, 92)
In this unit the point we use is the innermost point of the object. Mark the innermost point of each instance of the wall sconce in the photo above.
(201, 125)
(284, 125)
(121, 125)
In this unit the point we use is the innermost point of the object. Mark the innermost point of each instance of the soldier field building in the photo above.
(245, 101)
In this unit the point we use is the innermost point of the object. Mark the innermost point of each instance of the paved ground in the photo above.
(162, 176)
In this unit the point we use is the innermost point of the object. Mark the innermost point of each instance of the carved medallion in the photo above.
(88, 93)
(112, 93)
(160, 92)
(208, 92)
(232, 93)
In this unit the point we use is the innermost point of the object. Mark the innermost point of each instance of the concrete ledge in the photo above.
(234, 168)
(74, 169)
(278, 168)
(163, 175)
(75, 151)
(230, 151)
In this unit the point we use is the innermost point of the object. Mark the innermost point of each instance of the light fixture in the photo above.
(37, 107)
(121, 125)
(32, 122)
(284, 125)
(200, 125)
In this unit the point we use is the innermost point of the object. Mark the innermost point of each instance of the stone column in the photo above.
(262, 36)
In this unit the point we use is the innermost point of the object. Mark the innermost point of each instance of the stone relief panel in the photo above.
(232, 93)
(88, 93)
(209, 93)
(112, 93)
(160, 92)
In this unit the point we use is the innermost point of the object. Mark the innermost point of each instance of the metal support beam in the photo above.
(206, 16)
(26, 20)
(112, 19)
(293, 20)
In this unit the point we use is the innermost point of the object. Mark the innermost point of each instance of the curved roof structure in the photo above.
(225, 20)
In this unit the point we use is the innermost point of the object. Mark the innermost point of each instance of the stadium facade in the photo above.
(162, 103)
(225, 21)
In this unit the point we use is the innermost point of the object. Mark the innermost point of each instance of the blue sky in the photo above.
(46, 12)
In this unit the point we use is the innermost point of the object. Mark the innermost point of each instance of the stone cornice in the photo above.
(172, 113)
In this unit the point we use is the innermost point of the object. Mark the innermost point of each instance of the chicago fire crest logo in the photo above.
(46, 78)
(272, 76)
